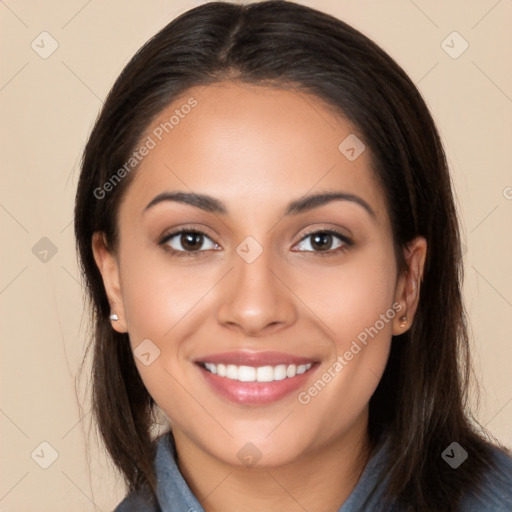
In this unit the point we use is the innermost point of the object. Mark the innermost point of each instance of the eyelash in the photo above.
(347, 242)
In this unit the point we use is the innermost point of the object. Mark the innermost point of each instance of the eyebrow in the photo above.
(301, 205)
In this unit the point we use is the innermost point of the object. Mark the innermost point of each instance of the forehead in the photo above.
(252, 146)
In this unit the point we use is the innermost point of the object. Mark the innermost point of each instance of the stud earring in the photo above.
(114, 317)
(403, 321)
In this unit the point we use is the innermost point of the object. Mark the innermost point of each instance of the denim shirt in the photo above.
(174, 495)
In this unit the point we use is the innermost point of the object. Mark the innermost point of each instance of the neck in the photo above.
(319, 481)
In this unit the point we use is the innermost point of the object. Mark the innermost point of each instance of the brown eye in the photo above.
(188, 241)
(323, 241)
(191, 241)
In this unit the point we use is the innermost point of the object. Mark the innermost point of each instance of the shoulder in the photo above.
(136, 502)
(495, 491)
(143, 501)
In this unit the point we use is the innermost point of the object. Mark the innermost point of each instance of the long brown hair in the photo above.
(422, 399)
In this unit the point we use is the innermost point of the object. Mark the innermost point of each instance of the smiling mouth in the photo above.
(256, 373)
(250, 378)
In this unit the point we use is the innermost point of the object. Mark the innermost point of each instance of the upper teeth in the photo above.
(259, 373)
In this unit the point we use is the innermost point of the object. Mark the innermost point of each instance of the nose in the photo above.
(255, 298)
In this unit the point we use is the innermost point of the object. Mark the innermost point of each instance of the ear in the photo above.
(408, 284)
(109, 268)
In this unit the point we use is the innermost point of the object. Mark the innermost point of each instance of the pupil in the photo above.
(191, 240)
(321, 241)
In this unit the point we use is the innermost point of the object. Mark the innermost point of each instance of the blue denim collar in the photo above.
(173, 492)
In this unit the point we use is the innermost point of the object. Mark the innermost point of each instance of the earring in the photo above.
(403, 321)
(114, 317)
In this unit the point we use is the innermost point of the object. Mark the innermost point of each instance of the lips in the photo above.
(251, 378)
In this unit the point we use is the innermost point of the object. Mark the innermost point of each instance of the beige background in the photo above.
(48, 108)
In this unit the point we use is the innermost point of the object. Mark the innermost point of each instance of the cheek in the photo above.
(350, 298)
(157, 294)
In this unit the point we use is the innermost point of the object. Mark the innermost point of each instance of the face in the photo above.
(257, 315)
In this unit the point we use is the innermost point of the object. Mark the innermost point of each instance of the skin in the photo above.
(257, 149)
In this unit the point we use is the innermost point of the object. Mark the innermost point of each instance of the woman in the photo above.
(268, 234)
